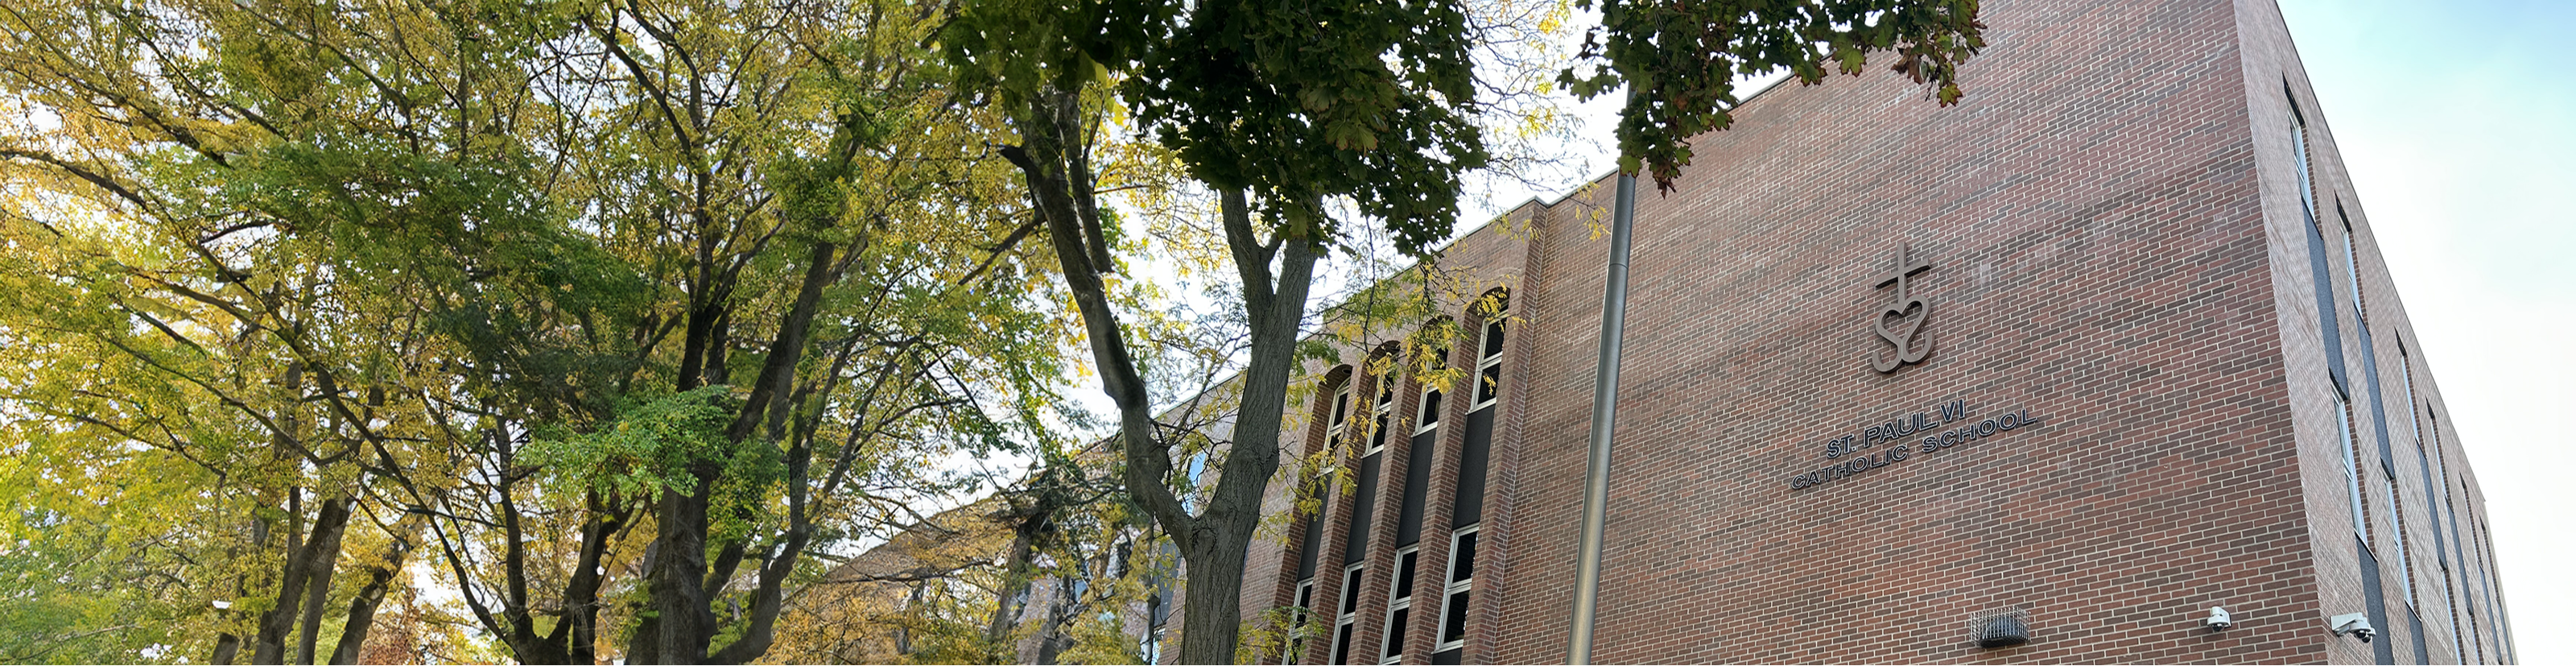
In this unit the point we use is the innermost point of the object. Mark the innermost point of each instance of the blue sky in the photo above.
(2458, 123)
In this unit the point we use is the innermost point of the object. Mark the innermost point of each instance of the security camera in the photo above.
(2352, 623)
(2218, 619)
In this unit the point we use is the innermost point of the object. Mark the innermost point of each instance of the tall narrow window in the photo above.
(2450, 526)
(1426, 414)
(1384, 407)
(1462, 579)
(2351, 465)
(1348, 616)
(1489, 365)
(2299, 149)
(1297, 618)
(2406, 377)
(2352, 270)
(1399, 605)
(1341, 413)
(2397, 542)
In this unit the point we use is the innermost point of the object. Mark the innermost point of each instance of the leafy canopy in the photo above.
(1680, 60)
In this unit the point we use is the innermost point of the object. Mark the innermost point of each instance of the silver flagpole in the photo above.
(1605, 410)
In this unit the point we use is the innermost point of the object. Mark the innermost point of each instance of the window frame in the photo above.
(1426, 407)
(2299, 151)
(2351, 465)
(2352, 269)
(1382, 415)
(1338, 421)
(1399, 602)
(1486, 394)
(1347, 615)
(1452, 588)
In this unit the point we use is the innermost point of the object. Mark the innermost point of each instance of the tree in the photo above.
(627, 306)
(1680, 62)
(1368, 108)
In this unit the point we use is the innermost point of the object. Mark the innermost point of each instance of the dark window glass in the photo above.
(1430, 407)
(1494, 338)
(1342, 645)
(1454, 627)
(1489, 383)
(1404, 575)
(1351, 591)
(1305, 595)
(1466, 559)
(1395, 632)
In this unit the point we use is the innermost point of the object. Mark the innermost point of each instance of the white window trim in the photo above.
(1476, 390)
(1422, 407)
(2397, 537)
(1395, 603)
(1338, 419)
(2299, 148)
(1450, 589)
(1305, 612)
(1346, 617)
(2406, 373)
(2351, 465)
(1306, 592)
(1382, 415)
(2352, 270)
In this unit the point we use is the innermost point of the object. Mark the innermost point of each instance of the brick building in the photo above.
(2161, 369)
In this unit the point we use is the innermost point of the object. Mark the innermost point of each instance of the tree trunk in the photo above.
(1212, 622)
(645, 645)
(579, 634)
(226, 645)
(362, 609)
(1213, 544)
(684, 623)
(1052, 642)
(317, 595)
(305, 563)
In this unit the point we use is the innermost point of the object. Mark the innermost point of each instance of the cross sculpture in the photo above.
(1910, 346)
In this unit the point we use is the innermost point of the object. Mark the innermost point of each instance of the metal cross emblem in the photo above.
(1910, 348)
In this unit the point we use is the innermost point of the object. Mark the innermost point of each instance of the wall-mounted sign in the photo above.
(1907, 335)
(1909, 436)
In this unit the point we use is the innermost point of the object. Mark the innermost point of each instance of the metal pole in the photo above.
(1605, 410)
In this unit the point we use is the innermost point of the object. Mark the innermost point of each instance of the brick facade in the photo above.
(2119, 251)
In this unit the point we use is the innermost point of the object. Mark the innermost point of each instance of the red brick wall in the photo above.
(2113, 222)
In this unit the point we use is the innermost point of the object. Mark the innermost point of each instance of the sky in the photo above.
(2457, 121)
